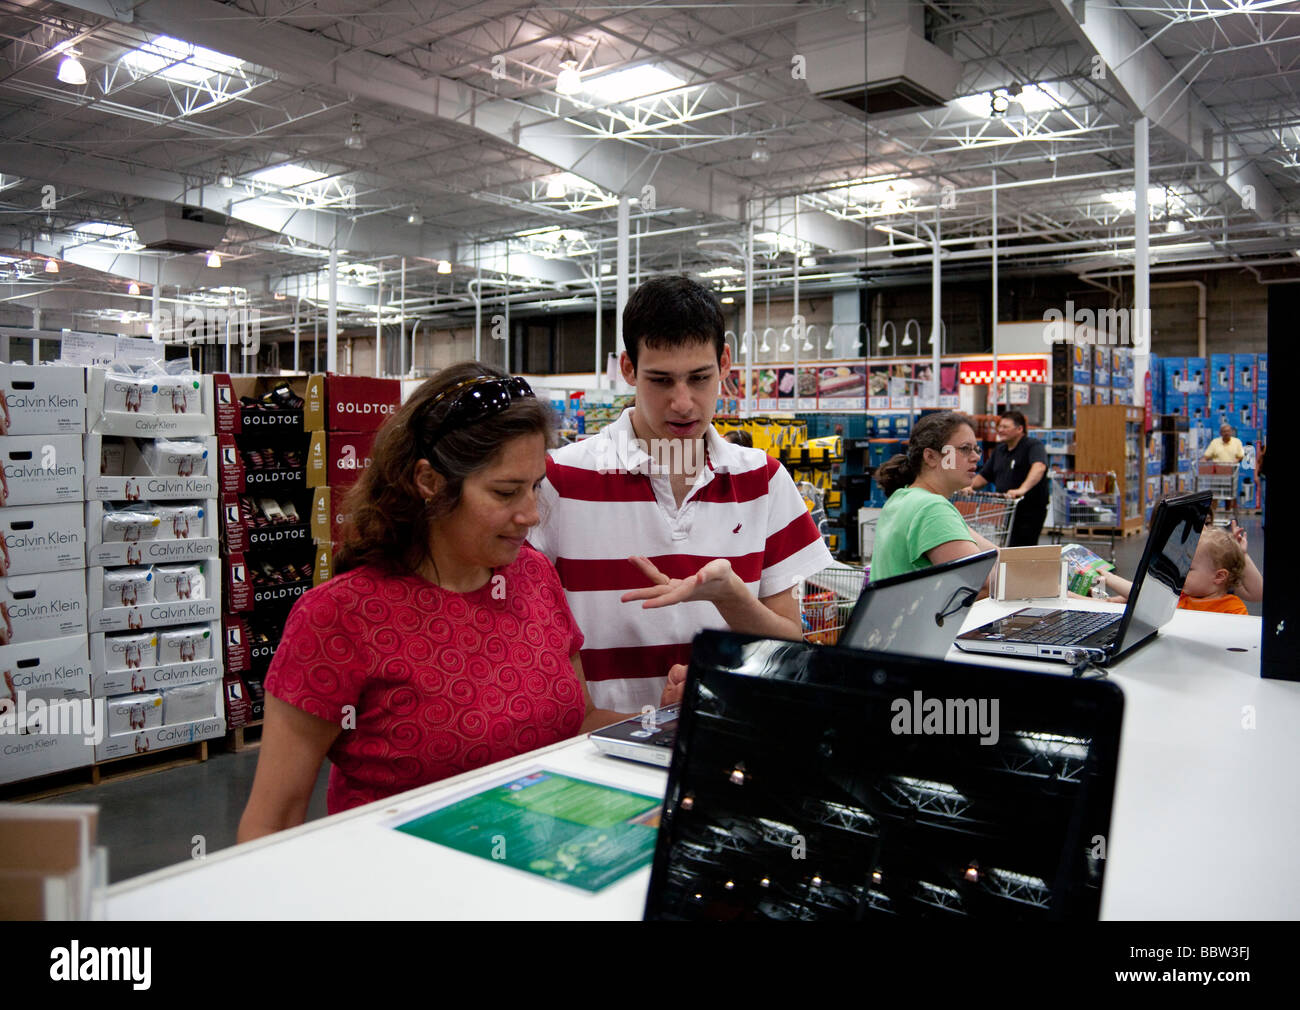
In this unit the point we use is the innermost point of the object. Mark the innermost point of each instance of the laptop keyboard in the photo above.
(1067, 627)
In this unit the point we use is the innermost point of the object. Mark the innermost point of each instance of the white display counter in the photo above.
(1204, 824)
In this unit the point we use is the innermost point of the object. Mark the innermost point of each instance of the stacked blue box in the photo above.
(1196, 376)
(1243, 409)
(1243, 373)
(1220, 409)
(1221, 373)
(1261, 373)
(1173, 399)
(1101, 366)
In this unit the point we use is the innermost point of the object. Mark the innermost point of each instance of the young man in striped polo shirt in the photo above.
(658, 526)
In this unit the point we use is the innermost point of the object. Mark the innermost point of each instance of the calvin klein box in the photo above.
(134, 712)
(151, 676)
(41, 469)
(54, 668)
(160, 613)
(41, 538)
(42, 400)
(185, 531)
(117, 470)
(34, 745)
(353, 403)
(190, 703)
(148, 406)
(145, 741)
(34, 608)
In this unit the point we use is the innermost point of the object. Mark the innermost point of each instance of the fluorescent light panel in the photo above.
(632, 84)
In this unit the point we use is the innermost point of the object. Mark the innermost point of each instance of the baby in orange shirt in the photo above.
(1217, 568)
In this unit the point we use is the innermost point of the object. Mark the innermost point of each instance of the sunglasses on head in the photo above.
(476, 400)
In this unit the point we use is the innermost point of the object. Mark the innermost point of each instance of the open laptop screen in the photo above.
(823, 783)
(1176, 525)
(918, 613)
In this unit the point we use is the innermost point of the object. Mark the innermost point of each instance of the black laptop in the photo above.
(1071, 636)
(817, 783)
(919, 612)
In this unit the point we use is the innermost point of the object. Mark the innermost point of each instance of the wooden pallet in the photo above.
(244, 738)
(122, 769)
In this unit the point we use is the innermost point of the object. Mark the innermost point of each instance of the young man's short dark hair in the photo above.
(672, 311)
(1015, 417)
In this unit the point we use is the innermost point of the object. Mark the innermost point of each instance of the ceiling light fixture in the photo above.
(357, 138)
(569, 79)
(224, 179)
(760, 153)
(414, 218)
(51, 266)
(71, 71)
(555, 190)
(444, 267)
(279, 296)
(133, 288)
(214, 260)
(728, 300)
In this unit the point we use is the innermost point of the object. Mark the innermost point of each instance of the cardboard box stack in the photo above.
(265, 432)
(44, 667)
(353, 409)
(153, 584)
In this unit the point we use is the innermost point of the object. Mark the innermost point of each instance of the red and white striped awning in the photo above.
(979, 371)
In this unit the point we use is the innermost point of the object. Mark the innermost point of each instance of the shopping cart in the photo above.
(1084, 505)
(989, 515)
(1220, 479)
(825, 601)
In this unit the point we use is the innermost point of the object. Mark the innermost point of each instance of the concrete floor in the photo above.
(150, 822)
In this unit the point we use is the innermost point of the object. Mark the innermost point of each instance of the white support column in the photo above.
(332, 319)
(478, 304)
(936, 308)
(620, 269)
(600, 311)
(1141, 329)
(994, 329)
(747, 338)
(380, 370)
(401, 327)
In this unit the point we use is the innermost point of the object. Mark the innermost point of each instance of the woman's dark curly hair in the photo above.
(390, 521)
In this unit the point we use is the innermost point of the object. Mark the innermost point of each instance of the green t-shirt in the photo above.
(912, 522)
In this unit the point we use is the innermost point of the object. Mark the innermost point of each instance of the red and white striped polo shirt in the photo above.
(602, 502)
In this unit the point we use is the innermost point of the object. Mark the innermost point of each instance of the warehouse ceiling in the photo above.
(437, 133)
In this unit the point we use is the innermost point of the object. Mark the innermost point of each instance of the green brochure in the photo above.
(561, 828)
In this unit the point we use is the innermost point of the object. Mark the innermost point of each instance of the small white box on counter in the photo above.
(42, 399)
(41, 469)
(41, 538)
(147, 406)
(110, 615)
(34, 608)
(54, 668)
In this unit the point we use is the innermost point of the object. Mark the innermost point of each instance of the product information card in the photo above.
(565, 829)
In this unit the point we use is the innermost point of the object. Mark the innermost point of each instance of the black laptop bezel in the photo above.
(888, 673)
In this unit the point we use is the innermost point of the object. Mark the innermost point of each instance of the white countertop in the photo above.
(1204, 825)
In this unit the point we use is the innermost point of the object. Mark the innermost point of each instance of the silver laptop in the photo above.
(1073, 636)
(645, 738)
(917, 613)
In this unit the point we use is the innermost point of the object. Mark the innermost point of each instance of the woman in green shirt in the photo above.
(919, 526)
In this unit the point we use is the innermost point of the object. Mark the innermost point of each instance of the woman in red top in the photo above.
(445, 643)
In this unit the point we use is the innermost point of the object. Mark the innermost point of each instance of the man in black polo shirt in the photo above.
(1017, 468)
